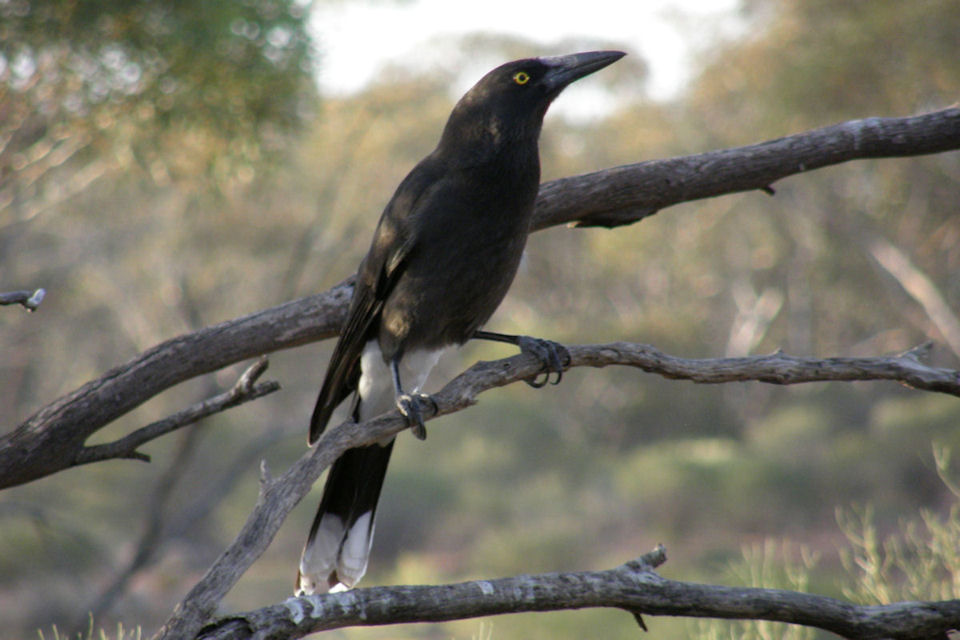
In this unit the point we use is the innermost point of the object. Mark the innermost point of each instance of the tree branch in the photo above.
(72, 452)
(776, 368)
(627, 194)
(48, 441)
(244, 390)
(634, 587)
(29, 299)
(279, 496)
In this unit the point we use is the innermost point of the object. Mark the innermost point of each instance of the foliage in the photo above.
(120, 634)
(764, 566)
(175, 89)
(805, 65)
(920, 561)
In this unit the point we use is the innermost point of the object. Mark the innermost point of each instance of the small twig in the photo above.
(30, 300)
(244, 390)
(634, 587)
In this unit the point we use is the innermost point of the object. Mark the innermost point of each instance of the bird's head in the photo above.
(511, 100)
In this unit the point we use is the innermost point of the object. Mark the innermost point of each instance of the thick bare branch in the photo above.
(279, 496)
(634, 587)
(627, 194)
(49, 441)
(46, 442)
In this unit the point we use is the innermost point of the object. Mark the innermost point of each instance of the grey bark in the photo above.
(633, 587)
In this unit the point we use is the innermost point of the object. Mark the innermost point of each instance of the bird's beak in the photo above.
(566, 69)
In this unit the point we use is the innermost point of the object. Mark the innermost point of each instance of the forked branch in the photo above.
(278, 496)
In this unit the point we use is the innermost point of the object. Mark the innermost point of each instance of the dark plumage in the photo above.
(443, 256)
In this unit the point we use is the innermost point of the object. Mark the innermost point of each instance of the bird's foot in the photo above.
(552, 355)
(412, 405)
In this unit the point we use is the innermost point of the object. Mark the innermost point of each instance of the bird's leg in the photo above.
(411, 405)
(552, 355)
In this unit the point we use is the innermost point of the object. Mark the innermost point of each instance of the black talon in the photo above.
(412, 406)
(534, 382)
(548, 353)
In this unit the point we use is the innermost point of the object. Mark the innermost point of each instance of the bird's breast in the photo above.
(470, 234)
(450, 289)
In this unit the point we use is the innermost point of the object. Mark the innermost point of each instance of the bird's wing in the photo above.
(393, 242)
(343, 372)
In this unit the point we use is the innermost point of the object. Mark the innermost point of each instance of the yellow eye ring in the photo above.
(521, 77)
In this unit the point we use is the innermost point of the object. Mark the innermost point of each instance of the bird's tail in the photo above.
(335, 556)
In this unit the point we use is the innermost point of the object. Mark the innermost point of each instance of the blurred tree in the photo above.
(176, 89)
(808, 63)
(126, 128)
(180, 103)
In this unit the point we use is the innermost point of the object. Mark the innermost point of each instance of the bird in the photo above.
(443, 255)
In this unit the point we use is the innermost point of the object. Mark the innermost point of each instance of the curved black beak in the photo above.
(566, 69)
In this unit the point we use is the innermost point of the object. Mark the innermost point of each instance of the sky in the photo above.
(357, 38)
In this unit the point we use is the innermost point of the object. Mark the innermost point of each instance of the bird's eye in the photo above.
(521, 77)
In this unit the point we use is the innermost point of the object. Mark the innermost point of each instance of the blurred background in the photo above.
(166, 166)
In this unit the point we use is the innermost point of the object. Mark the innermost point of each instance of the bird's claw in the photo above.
(552, 355)
(412, 406)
